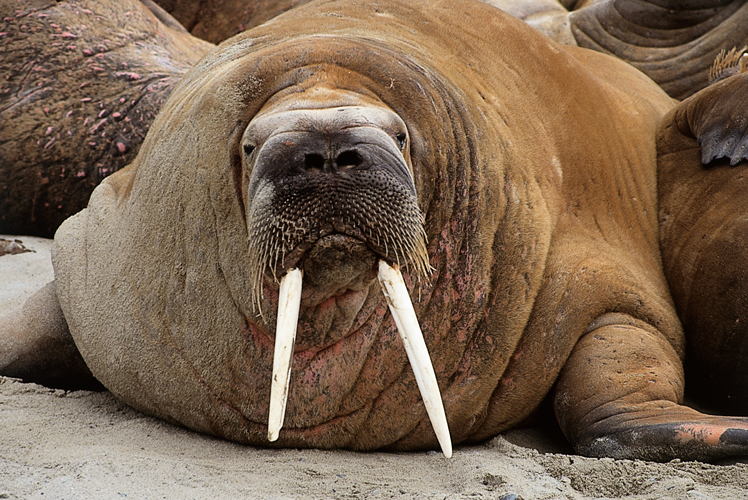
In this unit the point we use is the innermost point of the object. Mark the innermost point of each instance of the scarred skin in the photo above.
(535, 168)
(84, 81)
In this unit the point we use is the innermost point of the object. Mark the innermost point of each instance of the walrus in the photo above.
(671, 41)
(701, 164)
(245, 275)
(82, 83)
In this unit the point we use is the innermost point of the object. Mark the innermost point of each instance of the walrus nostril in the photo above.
(313, 161)
(348, 158)
(316, 161)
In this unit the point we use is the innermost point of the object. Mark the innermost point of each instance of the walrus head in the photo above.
(328, 190)
(329, 193)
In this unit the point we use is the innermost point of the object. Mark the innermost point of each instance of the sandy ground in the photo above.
(87, 445)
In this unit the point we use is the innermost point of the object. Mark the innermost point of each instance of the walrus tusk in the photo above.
(289, 300)
(401, 307)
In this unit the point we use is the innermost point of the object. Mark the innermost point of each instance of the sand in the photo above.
(87, 445)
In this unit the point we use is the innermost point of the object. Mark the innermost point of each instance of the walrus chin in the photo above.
(398, 300)
(330, 194)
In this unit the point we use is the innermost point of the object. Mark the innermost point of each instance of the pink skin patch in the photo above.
(707, 434)
(128, 75)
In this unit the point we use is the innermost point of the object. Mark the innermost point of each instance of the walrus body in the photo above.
(534, 166)
(704, 249)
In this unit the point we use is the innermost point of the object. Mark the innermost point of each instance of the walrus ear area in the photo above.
(237, 153)
(718, 118)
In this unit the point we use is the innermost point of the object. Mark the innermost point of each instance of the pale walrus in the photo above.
(514, 181)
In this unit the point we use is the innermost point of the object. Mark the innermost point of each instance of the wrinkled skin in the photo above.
(84, 82)
(671, 41)
(534, 166)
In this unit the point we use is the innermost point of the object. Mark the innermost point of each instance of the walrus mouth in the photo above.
(288, 217)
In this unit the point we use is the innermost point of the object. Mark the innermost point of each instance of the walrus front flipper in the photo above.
(718, 118)
(36, 346)
(618, 396)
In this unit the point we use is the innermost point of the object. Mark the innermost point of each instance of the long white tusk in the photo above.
(289, 300)
(401, 307)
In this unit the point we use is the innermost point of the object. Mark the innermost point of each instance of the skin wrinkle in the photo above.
(404, 373)
(316, 351)
(373, 401)
(32, 11)
(205, 384)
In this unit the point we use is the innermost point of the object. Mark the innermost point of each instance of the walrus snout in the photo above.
(325, 141)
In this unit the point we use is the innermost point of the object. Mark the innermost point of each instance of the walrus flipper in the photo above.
(36, 346)
(718, 118)
(618, 396)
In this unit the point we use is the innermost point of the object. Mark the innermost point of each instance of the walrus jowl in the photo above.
(533, 167)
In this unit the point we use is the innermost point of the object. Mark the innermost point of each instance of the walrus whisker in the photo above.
(257, 268)
(396, 293)
(289, 302)
(274, 263)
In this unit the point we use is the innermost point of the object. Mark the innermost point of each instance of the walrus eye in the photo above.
(401, 139)
(248, 148)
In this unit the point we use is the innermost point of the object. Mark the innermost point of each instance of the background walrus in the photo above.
(82, 82)
(540, 218)
(703, 226)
